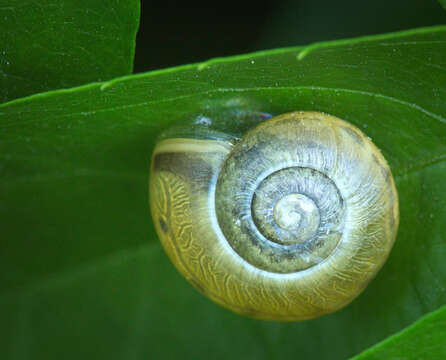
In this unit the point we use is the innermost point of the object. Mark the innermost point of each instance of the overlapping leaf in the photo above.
(423, 340)
(51, 44)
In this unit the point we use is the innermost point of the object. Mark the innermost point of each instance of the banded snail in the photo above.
(290, 222)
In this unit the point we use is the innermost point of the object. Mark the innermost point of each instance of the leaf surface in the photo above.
(51, 44)
(74, 168)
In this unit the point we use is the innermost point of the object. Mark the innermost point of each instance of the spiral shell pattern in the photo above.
(289, 223)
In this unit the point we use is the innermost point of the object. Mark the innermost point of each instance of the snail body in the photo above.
(290, 222)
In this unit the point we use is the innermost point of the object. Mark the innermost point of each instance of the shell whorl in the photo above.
(288, 223)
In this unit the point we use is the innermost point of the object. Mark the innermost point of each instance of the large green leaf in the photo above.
(426, 339)
(51, 44)
(74, 169)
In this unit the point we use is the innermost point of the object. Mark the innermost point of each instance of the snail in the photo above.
(289, 222)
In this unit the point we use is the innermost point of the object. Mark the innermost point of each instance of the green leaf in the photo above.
(443, 3)
(425, 339)
(51, 44)
(75, 221)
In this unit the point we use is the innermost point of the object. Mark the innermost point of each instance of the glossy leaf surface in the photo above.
(74, 169)
(51, 44)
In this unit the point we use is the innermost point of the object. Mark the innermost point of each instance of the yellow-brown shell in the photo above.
(289, 223)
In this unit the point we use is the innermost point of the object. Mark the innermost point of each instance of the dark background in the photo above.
(181, 32)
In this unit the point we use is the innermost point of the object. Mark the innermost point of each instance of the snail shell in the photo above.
(290, 222)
